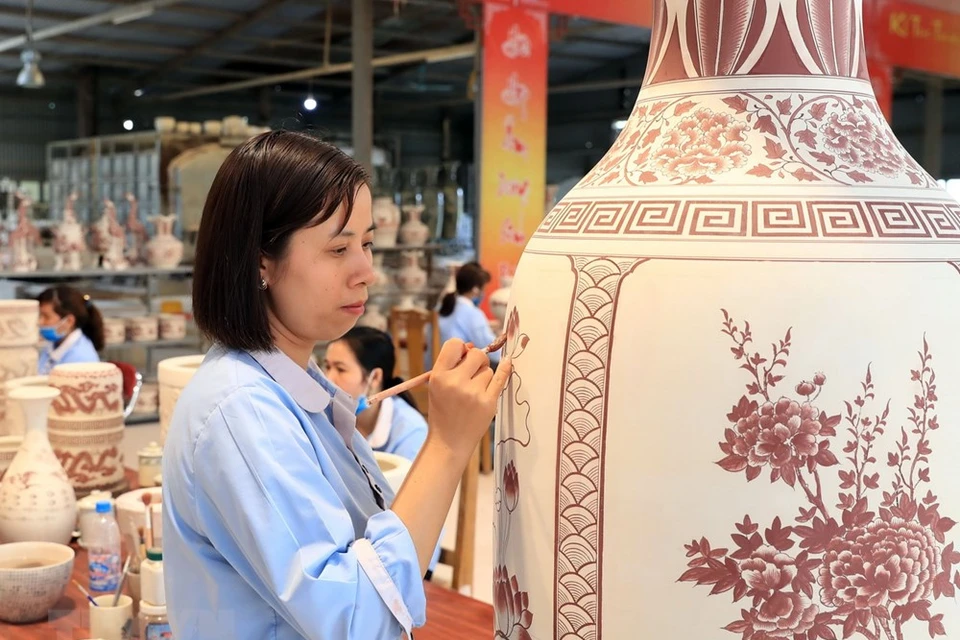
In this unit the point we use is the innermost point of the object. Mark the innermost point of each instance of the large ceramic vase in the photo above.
(37, 501)
(86, 425)
(734, 410)
(18, 347)
(173, 374)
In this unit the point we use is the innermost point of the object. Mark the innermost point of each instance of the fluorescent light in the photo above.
(310, 103)
(128, 125)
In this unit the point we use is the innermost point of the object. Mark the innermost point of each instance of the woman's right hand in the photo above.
(464, 393)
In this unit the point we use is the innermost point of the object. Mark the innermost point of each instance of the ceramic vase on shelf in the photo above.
(414, 233)
(18, 347)
(69, 243)
(37, 502)
(381, 281)
(136, 254)
(24, 239)
(734, 345)
(86, 425)
(411, 278)
(110, 239)
(386, 217)
(164, 250)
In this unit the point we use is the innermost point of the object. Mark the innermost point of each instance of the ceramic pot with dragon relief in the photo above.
(732, 412)
(37, 501)
(86, 425)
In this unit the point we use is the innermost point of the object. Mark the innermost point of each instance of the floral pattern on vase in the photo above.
(137, 232)
(512, 613)
(164, 251)
(843, 569)
(37, 502)
(24, 239)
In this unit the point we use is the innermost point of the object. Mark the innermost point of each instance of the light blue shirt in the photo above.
(74, 348)
(272, 518)
(400, 429)
(470, 324)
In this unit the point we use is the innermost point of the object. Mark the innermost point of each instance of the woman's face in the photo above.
(49, 318)
(317, 290)
(341, 367)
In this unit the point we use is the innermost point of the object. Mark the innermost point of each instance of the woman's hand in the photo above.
(464, 392)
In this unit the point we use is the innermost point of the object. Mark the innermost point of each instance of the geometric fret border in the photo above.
(757, 220)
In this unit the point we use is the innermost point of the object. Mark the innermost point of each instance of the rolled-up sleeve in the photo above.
(265, 505)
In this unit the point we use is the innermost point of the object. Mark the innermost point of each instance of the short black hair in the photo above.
(268, 188)
(374, 349)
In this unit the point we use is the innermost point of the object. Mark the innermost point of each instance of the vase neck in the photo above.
(35, 415)
(717, 38)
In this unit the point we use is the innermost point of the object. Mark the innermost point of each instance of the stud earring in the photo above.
(263, 284)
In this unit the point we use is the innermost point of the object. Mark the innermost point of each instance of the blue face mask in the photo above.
(50, 334)
(476, 301)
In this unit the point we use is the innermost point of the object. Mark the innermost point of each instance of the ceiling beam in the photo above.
(238, 26)
(455, 52)
(120, 13)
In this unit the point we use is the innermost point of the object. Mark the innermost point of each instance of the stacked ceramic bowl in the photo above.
(114, 330)
(19, 336)
(86, 425)
(173, 374)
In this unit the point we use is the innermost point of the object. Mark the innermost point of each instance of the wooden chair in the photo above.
(461, 556)
(409, 329)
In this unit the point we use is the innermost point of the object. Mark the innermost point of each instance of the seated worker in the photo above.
(72, 326)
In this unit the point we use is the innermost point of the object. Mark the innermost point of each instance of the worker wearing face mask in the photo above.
(460, 314)
(72, 327)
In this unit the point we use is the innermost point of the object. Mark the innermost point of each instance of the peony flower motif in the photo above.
(806, 388)
(513, 616)
(863, 143)
(768, 570)
(516, 341)
(511, 486)
(784, 615)
(819, 379)
(882, 563)
(702, 144)
(788, 431)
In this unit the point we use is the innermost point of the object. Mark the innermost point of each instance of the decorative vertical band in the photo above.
(581, 445)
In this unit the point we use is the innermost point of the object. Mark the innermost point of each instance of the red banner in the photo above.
(914, 36)
(513, 154)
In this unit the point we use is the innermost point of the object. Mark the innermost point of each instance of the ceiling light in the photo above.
(128, 125)
(310, 103)
(619, 125)
(30, 76)
(138, 92)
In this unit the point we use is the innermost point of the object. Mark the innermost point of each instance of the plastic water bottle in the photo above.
(103, 550)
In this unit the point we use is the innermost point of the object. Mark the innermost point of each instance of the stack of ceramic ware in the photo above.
(86, 425)
(18, 346)
(114, 330)
(173, 375)
(142, 329)
(173, 326)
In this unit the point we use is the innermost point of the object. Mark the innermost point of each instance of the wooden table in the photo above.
(449, 614)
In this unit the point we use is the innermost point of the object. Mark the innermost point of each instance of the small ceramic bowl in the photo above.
(33, 576)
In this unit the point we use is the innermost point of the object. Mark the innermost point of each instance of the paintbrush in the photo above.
(147, 498)
(86, 593)
(123, 578)
(423, 378)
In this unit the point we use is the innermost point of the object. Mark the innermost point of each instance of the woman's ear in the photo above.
(376, 380)
(70, 322)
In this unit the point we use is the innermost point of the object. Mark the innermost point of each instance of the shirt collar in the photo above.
(65, 345)
(380, 435)
(307, 390)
